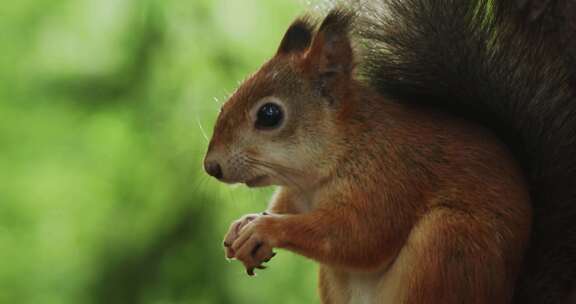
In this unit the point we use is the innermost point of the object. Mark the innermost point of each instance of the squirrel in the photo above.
(423, 152)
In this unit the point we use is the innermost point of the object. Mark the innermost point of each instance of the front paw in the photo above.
(234, 232)
(255, 242)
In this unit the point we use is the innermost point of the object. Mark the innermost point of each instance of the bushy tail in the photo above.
(477, 59)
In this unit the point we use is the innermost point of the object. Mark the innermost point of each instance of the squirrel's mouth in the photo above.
(258, 181)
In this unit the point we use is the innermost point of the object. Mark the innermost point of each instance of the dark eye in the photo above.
(269, 116)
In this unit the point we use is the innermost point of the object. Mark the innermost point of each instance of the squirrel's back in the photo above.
(479, 60)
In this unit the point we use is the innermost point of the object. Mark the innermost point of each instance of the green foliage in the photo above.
(104, 106)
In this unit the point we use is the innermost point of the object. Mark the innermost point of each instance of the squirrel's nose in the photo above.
(214, 169)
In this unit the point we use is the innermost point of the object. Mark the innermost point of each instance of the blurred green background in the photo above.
(105, 110)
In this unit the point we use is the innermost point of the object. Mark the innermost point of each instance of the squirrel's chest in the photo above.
(362, 288)
(339, 287)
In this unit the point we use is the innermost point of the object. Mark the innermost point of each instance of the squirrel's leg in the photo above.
(338, 235)
(453, 257)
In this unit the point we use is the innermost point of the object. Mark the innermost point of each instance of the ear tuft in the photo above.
(298, 36)
(337, 22)
(331, 50)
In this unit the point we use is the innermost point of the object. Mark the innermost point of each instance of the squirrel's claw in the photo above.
(250, 270)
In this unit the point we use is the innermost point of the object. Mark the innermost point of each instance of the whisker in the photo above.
(200, 182)
(201, 128)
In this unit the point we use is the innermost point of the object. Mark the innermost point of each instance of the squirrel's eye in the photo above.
(269, 116)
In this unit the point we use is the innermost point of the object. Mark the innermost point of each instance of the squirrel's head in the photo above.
(280, 124)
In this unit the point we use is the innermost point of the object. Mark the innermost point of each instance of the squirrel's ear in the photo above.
(298, 36)
(330, 57)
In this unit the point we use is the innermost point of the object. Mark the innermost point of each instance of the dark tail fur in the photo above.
(478, 59)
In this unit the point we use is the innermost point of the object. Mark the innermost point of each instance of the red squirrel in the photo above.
(422, 152)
